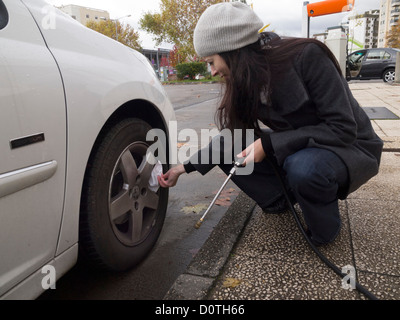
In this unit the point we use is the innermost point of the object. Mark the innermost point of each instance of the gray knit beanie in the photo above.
(225, 27)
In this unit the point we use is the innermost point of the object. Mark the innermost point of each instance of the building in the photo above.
(321, 36)
(159, 59)
(84, 14)
(363, 30)
(389, 16)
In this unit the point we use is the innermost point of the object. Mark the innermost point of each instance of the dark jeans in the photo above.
(313, 176)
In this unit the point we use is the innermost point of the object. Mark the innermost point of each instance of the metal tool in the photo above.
(236, 164)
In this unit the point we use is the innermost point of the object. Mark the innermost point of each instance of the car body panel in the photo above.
(84, 79)
(376, 61)
(32, 286)
(31, 90)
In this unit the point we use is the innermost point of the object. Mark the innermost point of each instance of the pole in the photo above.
(158, 64)
(116, 25)
(397, 70)
(306, 21)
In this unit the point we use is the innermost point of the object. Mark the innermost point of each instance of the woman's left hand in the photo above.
(253, 153)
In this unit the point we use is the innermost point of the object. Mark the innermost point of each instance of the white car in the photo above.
(75, 109)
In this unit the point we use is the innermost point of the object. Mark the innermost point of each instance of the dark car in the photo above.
(377, 63)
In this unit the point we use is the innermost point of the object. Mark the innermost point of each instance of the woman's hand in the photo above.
(170, 178)
(253, 153)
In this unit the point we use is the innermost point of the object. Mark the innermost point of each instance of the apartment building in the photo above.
(389, 16)
(363, 30)
(84, 14)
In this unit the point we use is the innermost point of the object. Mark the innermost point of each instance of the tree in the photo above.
(393, 37)
(174, 57)
(126, 34)
(176, 23)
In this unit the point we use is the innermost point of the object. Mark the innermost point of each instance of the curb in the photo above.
(391, 144)
(199, 277)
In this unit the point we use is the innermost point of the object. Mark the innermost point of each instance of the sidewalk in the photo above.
(251, 255)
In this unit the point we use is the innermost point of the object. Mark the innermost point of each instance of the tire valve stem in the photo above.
(236, 165)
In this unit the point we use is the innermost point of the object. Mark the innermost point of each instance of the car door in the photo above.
(32, 147)
(354, 63)
(374, 63)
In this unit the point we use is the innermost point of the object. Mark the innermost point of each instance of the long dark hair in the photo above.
(252, 68)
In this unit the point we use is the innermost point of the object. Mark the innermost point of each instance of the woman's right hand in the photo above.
(170, 178)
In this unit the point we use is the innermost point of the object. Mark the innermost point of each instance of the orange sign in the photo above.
(329, 6)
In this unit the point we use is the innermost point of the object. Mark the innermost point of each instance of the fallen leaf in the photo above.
(225, 197)
(226, 192)
(195, 209)
(223, 202)
(231, 283)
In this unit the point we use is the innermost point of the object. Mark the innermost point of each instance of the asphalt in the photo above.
(254, 256)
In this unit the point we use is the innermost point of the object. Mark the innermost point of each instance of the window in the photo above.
(386, 56)
(373, 55)
(357, 56)
(377, 55)
(87, 16)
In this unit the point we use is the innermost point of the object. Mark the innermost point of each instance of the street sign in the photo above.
(323, 8)
(329, 6)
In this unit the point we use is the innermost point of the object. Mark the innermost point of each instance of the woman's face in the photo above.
(218, 66)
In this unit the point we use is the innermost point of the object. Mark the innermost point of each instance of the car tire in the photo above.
(121, 218)
(388, 75)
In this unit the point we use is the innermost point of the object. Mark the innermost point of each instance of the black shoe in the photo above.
(278, 206)
(314, 242)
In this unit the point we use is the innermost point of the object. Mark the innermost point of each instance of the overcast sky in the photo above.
(285, 16)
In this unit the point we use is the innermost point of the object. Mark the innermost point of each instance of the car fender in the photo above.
(390, 66)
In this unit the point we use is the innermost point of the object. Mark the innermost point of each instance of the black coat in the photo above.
(312, 106)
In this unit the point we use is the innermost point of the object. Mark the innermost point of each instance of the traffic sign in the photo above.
(329, 6)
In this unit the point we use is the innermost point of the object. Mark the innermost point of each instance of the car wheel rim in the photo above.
(132, 205)
(389, 77)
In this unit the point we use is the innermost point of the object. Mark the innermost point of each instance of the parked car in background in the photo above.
(75, 109)
(377, 63)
